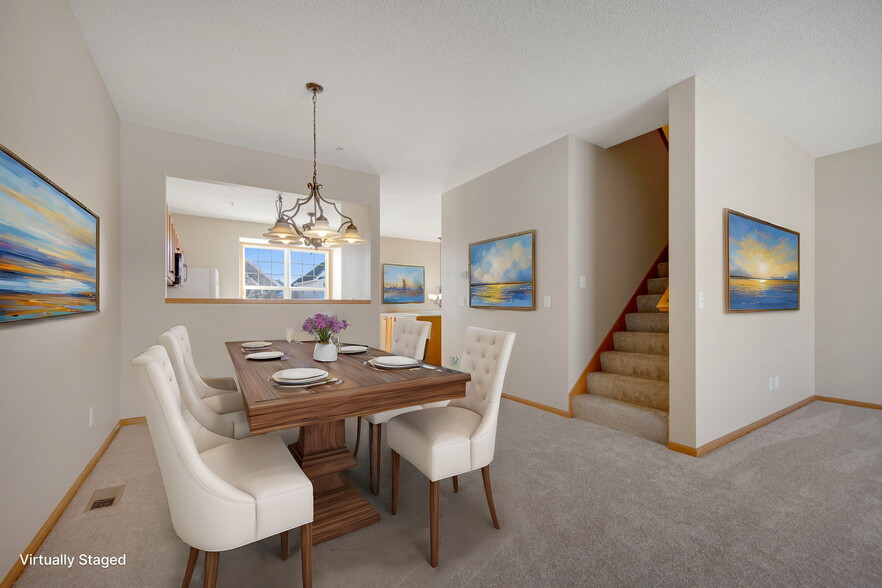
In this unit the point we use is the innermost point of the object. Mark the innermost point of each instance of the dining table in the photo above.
(355, 387)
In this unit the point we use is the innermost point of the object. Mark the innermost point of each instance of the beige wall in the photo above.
(148, 156)
(739, 163)
(410, 252)
(618, 226)
(57, 116)
(848, 331)
(499, 203)
(598, 213)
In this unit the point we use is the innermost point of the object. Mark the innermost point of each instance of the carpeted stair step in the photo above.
(663, 269)
(640, 391)
(636, 342)
(647, 322)
(648, 302)
(636, 420)
(657, 285)
(638, 365)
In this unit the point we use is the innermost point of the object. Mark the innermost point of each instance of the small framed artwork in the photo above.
(404, 284)
(763, 265)
(48, 247)
(502, 272)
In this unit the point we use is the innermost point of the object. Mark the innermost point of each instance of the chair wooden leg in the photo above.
(456, 483)
(485, 471)
(396, 462)
(284, 536)
(357, 436)
(434, 515)
(306, 554)
(209, 566)
(191, 565)
(375, 443)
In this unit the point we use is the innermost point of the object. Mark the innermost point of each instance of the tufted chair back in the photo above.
(409, 338)
(177, 345)
(182, 337)
(207, 512)
(485, 357)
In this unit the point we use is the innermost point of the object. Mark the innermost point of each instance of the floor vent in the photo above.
(105, 497)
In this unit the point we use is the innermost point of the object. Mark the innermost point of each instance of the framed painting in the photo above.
(48, 247)
(404, 284)
(502, 272)
(763, 262)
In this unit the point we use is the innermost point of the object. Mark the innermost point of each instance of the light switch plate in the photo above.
(462, 301)
(583, 281)
(547, 302)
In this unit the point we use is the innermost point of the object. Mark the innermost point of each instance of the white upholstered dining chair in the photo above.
(221, 412)
(409, 340)
(448, 441)
(222, 493)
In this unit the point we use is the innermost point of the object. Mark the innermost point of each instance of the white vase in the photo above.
(325, 352)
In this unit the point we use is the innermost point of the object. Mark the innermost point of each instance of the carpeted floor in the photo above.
(797, 503)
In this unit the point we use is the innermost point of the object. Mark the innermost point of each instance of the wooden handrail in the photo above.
(663, 305)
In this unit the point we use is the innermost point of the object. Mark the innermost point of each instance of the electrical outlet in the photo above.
(583, 281)
(701, 300)
(91, 416)
(462, 301)
(771, 383)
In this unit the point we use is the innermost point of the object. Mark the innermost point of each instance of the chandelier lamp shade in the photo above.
(317, 232)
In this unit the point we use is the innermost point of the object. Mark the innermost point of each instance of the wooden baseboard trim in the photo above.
(717, 443)
(539, 405)
(690, 451)
(857, 403)
(41, 535)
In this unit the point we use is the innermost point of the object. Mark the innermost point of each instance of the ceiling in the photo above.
(432, 94)
(231, 202)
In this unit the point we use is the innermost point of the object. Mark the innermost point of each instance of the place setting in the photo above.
(393, 362)
(302, 379)
(256, 351)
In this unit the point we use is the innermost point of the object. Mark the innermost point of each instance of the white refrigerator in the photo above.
(199, 282)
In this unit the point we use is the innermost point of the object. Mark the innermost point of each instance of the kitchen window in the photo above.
(284, 273)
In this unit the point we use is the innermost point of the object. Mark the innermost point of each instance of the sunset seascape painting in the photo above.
(48, 247)
(501, 272)
(763, 265)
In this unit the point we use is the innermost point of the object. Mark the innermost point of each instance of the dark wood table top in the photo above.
(365, 390)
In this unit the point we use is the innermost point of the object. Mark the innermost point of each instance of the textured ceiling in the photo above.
(240, 203)
(431, 94)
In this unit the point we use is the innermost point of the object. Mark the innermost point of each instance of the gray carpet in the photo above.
(797, 503)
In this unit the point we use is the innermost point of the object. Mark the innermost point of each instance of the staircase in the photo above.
(630, 393)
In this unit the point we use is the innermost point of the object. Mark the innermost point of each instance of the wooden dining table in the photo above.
(320, 412)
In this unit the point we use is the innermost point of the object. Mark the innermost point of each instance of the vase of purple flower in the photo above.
(325, 328)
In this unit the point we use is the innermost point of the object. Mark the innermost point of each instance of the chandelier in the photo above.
(317, 232)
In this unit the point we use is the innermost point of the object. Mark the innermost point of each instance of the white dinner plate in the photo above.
(265, 355)
(256, 344)
(394, 361)
(299, 375)
(353, 349)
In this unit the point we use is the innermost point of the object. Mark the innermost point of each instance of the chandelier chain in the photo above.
(314, 139)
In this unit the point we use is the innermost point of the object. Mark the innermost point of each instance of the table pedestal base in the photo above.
(338, 507)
